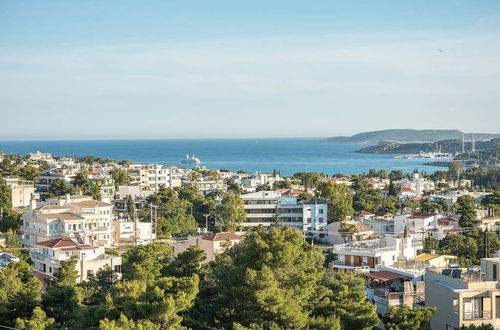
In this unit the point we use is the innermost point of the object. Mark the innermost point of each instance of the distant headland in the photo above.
(411, 136)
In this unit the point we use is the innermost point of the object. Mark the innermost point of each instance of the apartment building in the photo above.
(465, 297)
(425, 224)
(48, 255)
(268, 207)
(22, 190)
(372, 255)
(155, 176)
(46, 178)
(81, 218)
(106, 184)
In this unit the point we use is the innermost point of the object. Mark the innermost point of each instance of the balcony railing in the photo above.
(477, 315)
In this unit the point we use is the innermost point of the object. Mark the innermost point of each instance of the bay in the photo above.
(287, 155)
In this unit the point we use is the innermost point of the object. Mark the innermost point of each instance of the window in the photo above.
(321, 211)
(118, 268)
(320, 220)
(455, 305)
(497, 303)
(473, 308)
(495, 270)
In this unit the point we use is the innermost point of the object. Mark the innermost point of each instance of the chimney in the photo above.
(68, 198)
(32, 202)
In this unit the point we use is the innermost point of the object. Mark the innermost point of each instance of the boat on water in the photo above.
(191, 160)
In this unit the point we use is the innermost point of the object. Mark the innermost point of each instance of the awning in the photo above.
(386, 276)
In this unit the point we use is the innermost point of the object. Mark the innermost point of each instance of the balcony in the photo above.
(477, 315)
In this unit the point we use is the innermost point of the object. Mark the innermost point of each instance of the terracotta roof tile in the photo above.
(221, 237)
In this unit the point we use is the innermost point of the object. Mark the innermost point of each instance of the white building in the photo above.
(79, 217)
(48, 255)
(268, 207)
(425, 224)
(106, 184)
(131, 232)
(40, 156)
(46, 178)
(251, 182)
(22, 191)
(155, 176)
(375, 254)
(417, 184)
(134, 190)
(6, 259)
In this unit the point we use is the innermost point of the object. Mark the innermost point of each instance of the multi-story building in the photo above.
(425, 224)
(156, 176)
(464, 297)
(46, 178)
(79, 217)
(48, 255)
(106, 184)
(22, 190)
(268, 207)
(372, 255)
(251, 182)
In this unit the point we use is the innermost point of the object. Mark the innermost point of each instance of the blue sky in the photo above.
(174, 69)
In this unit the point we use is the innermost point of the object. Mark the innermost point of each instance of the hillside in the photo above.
(410, 136)
(450, 146)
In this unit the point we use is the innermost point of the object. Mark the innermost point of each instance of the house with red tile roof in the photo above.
(47, 257)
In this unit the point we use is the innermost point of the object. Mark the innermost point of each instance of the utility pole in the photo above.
(206, 221)
(135, 227)
(486, 252)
